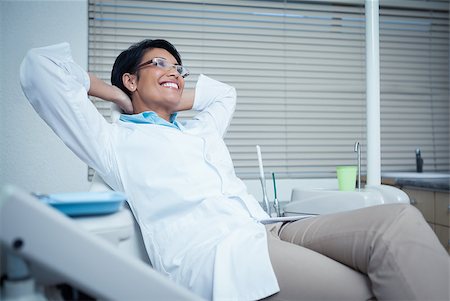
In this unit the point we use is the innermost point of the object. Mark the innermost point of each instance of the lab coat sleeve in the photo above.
(216, 102)
(57, 89)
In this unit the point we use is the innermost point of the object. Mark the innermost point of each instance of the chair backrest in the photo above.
(133, 246)
(98, 184)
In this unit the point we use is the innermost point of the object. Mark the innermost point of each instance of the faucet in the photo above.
(357, 150)
(419, 161)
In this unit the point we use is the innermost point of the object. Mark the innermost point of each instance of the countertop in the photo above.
(441, 184)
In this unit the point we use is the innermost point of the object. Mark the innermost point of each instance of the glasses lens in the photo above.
(164, 64)
(182, 70)
(161, 63)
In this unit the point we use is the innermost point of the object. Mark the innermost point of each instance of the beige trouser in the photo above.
(385, 252)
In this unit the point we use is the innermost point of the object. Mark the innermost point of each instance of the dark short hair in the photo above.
(128, 60)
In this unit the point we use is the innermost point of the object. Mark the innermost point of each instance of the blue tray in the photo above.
(85, 203)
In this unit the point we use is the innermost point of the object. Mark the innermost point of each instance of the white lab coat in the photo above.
(198, 222)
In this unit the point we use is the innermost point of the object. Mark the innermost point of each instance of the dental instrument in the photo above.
(276, 204)
(262, 178)
(357, 149)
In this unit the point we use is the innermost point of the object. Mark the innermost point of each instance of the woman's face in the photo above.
(157, 89)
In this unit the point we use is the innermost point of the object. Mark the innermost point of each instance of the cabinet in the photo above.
(442, 217)
(435, 207)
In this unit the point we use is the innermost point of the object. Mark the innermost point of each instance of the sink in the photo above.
(325, 201)
(416, 175)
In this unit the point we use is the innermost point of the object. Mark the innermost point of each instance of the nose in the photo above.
(173, 72)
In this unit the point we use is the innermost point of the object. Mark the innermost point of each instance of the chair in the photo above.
(50, 248)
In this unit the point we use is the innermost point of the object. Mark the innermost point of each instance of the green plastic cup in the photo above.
(346, 177)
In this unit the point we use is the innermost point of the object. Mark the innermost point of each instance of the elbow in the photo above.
(38, 64)
(233, 97)
(26, 67)
(32, 76)
(32, 70)
(233, 93)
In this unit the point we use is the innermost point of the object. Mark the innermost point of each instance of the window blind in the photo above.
(299, 70)
(414, 52)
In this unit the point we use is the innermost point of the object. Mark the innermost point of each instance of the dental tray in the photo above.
(84, 203)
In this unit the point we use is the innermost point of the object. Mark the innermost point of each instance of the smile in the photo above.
(170, 85)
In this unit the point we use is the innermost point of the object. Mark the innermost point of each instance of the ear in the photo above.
(129, 81)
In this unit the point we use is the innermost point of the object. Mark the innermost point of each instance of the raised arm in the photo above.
(100, 89)
(57, 89)
(187, 100)
(215, 101)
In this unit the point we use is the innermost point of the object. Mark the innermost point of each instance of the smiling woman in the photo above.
(156, 89)
(200, 226)
(151, 74)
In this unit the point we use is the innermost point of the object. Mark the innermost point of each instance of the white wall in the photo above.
(31, 155)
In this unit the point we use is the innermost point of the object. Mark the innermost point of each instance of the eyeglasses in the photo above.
(164, 64)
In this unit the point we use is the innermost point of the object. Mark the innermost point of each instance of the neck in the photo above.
(139, 108)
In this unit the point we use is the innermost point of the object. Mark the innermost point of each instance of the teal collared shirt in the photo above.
(150, 117)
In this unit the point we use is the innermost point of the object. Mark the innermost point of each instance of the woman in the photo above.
(200, 226)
